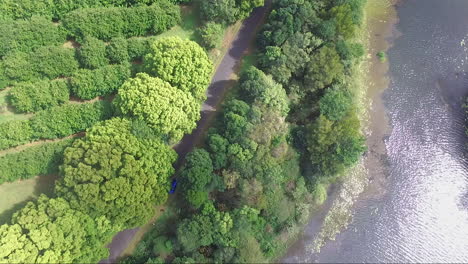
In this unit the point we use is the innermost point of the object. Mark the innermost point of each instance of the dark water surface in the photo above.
(421, 213)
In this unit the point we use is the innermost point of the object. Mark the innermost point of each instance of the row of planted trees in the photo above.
(112, 178)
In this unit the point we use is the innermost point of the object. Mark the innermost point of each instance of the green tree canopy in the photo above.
(259, 87)
(182, 63)
(50, 231)
(167, 110)
(112, 173)
(324, 68)
(333, 146)
(335, 104)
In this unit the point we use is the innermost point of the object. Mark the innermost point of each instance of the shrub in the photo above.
(28, 35)
(45, 63)
(32, 97)
(92, 53)
(108, 23)
(68, 119)
(37, 160)
(117, 51)
(15, 133)
(211, 34)
(88, 84)
(139, 47)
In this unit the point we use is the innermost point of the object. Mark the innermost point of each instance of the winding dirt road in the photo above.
(220, 83)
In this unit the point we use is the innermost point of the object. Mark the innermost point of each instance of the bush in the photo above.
(92, 53)
(117, 51)
(108, 23)
(15, 133)
(32, 97)
(211, 34)
(68, 119)
(28, 35)
(45, 63)
(37, 160)
(88, 84)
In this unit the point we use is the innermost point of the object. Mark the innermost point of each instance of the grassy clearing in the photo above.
(16, 194)
(6, 112)
(186, 30)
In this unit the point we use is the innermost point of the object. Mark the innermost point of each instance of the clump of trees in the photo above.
(168, 110)
(227, 11)
(50, 231)
(182, 63)
(112, 173)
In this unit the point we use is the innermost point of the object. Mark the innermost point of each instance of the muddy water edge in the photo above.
(377, 35)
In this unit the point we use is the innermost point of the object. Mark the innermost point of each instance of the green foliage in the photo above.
(209, 227)
(28, 35)
(196, 175)
(112, 173)
(335, 104)
(88, 84)
(162, 246)
(211, 34)
(325, 67)
(342, 15)
(108, 23)
(92, 53)
(197, 172)
(167, 110)
(48, 62)
(117, 51)
(33, 161)
(258, 87)
(32, 97)
(49, 231)
(68, 119)
(15, 133)
(56, 122)
(382, 56)
(182, 63)
(320, 194)
(227, 11)
(139, 47)
(217, 146)
(333, 146)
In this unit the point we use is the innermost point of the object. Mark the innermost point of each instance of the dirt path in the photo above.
(220, 83)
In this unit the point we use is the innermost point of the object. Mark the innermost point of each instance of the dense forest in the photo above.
(112, 98)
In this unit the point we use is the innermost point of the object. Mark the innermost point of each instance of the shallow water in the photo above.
(419, 210)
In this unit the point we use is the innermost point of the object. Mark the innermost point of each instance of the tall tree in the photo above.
(182, 63)
(169, 111)
(112, 173)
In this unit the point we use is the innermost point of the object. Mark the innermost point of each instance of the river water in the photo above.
(415, 208)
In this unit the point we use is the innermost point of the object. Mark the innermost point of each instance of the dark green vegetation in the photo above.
(31, 162)
(288, 130)
(56, 122)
